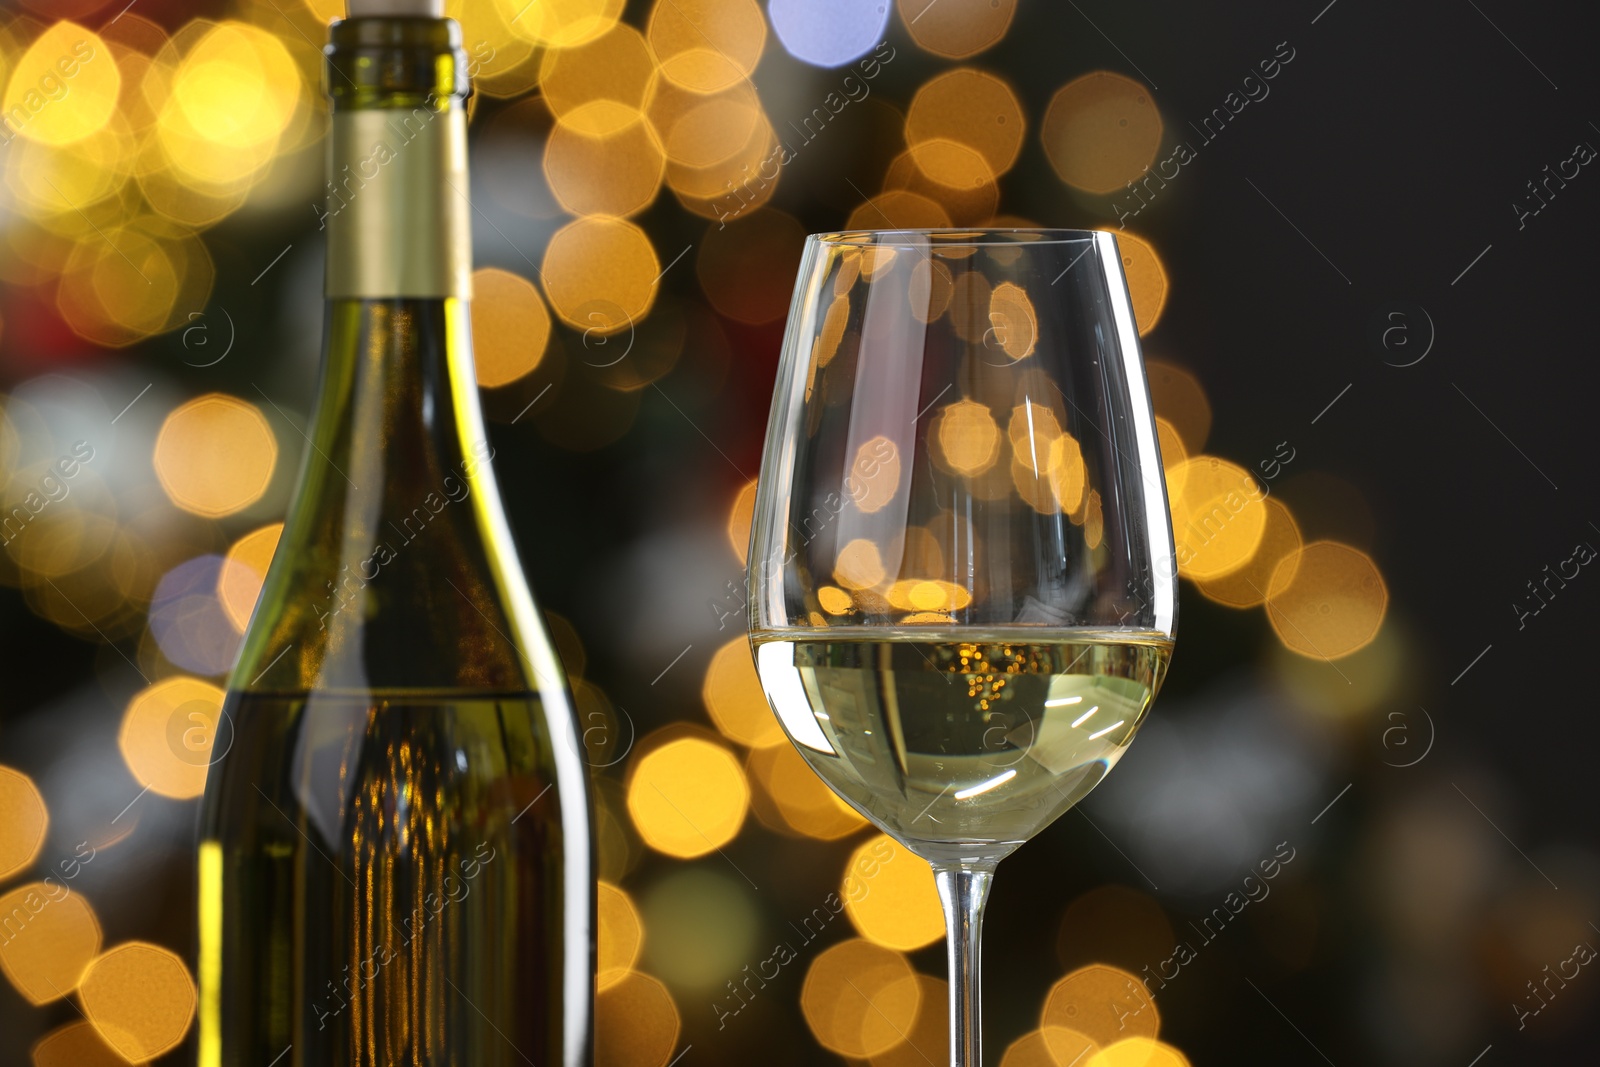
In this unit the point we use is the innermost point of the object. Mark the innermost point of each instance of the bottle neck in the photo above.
(396, 557)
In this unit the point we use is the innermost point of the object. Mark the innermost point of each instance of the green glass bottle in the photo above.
(396, 857)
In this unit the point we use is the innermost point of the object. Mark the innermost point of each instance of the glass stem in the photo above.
(964, 890)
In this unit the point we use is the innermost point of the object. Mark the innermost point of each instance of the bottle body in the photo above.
(396, 860)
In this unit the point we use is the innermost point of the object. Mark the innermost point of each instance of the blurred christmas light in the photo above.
(636, 1023)
(616, 66)
(860, 999)
(706, 45)
(189, 619)
(63, 88)
(734, 698)
(966, 107)
(1247, 587)
(510, 327)
(1101, 131)
(215, 455)
(859, 565)
(561, 23)
(1219, 520)
(739, 520)
(608, 161)
(1050, 1046)
(1327, 600)
(928, 1039)
(828, 33)
(243, 570)
(1147, 280)
(899, 209)
(1138, 1052)
(601, 274)
(51, 935)
(167, 735)
(787, 796)
(956, 29)
(688, 797)
(24, 820)
(141, 999)
(966, 436)
(1103, 1003)
(889, 894)
(76, 1044)
(620, 935)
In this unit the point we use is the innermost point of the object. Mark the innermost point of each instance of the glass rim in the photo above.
(956, 236)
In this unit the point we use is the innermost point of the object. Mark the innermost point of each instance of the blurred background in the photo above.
(1359, 826)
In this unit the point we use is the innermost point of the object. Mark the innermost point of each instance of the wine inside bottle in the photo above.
(396, 858)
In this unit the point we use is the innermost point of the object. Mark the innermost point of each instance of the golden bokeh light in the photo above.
(969, 306)
(232, 97)
(1327, 600)
(1280, 544)
(616, 66)
(967, 107)
(734, 698)
(898, 209)
(607, 162)
(601, 274)
(1147, 280)
(688, 797)
(928, 1040)
(167, 734)
(1101, 131)
(929, 289)
(51, 934)
(1013, 320)
(1138, 1052)
(141, 999)
(707, 45)
(740, 517)
(956, 29)
(510, 327)
(1173, 453)
(831, 334)
(701, 131)
(790, 798)
(76, 1044)
(859, 566)
(874, 477)
(1050, 1046)
(620, 935)
(243, 570)
(1219, 520)
(63, 88)
(560, 23)
(747, 266)
(24, 820)
(1180, 400)
(636, 1023)
(833, 600)
(1105, 1004)
(889, 894)
(860, 999)
(215, 455)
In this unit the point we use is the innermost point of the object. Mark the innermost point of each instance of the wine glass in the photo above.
(962, 583)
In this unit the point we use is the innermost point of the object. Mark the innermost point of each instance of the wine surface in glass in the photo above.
(961, 743)
(378, 881)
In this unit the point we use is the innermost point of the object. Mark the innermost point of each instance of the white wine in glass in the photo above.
(963, 592)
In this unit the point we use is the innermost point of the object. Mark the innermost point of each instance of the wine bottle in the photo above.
(396, 858)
